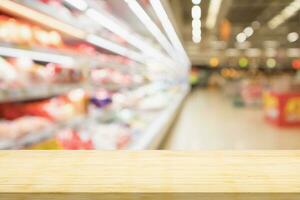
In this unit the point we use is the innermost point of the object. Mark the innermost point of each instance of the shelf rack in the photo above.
(40, 135)
(24, 11)
(140, 55)
(37, 92)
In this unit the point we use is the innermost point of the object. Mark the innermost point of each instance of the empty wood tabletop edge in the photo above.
(152, 172)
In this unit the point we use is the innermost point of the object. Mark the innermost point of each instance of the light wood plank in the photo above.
(149, 175)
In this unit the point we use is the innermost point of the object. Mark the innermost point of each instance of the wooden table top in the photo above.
(149, 174)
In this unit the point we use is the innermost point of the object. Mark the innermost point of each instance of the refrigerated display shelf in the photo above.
(37, 55)
(50, 10)
(78, 27)
(39, 136)
(36, 92)
(65, 57)
(150, 138)
(117, 87)
(83, 34)
(157, 130)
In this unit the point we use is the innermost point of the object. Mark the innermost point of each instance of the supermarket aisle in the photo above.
(209, 121)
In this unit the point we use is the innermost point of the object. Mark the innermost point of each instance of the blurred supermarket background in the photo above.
(149, 74)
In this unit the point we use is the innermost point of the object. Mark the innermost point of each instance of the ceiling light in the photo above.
(196, 32)
(248, 31)
(241, 37)
(196, 2)
(196, 12)
(285, 14)
(196, 24)
(293, 37)
(255, 25)
(196, 39)
(79, 4)
(275, 22)
(213, 11)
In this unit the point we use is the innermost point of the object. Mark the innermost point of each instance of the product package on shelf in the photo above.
(93, 132)
(33, 117)
(21, 78)
(19, 32)
(12, 130)
(97, 136)
(114, 79)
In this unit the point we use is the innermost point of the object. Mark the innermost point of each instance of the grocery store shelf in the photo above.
(84, 47)
(37, 55)
(41, 135)
(123, 67)
(57, 56)
(36, 92)
(31, 12)
(157, 130)
(17, 9)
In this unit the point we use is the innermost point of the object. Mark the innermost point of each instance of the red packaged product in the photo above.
(72, 140)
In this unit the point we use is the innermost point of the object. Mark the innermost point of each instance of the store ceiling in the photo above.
(240, 14)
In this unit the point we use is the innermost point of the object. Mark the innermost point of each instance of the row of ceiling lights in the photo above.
(248, 32)
(212, 15)
(276, 21)
(196, 23)
(285, 14)
(214, 7)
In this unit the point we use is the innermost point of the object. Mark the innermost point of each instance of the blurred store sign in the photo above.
(270, 44)
(270, 52)
(253, 52)
(296, 64)
(225, 30)
(232, 52)
(243, 45)
(293, 52)
(218, 44)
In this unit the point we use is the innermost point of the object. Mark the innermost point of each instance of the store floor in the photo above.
(208, 121)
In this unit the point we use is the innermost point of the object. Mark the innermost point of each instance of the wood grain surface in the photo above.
(149, 175)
